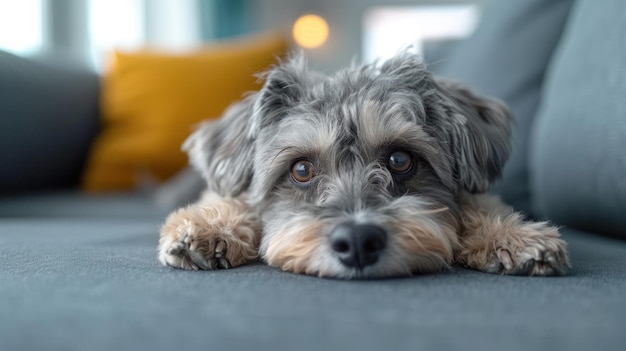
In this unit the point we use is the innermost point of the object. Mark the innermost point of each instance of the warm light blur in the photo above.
(310, 31)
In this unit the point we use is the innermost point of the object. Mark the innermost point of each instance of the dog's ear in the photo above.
(285, 85)
(476, 130)
(223, 150)
(479, 134)
(406, 70)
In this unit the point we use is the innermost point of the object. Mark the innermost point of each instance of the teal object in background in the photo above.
(578, 159)
(222, 19)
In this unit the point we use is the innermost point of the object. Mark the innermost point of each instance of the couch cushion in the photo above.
(151, 102)
(579, 150)
(97, 285)
(77, 205)
(506, 58)
(48, 119)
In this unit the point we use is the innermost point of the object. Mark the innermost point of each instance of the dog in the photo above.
(379, 170)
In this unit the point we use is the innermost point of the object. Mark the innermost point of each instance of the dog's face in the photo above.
(356, 174)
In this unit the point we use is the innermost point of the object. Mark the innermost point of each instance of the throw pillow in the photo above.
(48, 119)
(151, 101)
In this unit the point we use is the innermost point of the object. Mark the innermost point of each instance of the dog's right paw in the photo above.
(193, 251)
(206, 238)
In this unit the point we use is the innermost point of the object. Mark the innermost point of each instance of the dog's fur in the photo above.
(347, 125)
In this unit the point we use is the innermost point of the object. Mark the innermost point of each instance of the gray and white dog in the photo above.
(375, 171)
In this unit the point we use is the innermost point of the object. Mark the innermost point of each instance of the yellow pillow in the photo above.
(151, 101)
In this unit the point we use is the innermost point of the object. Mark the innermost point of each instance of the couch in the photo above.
(79, 271)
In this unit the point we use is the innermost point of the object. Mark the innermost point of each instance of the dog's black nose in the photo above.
(358, 245)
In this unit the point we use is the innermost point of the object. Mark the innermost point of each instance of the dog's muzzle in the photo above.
(358, 245)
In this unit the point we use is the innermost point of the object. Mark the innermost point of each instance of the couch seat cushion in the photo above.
(96, 285)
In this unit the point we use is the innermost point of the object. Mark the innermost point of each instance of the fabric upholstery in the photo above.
(579, 149)
(151, 102)
(96, 285)
(506, 58)
(77, 205)
(48, 119)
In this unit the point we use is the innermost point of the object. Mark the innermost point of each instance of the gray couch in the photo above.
(79, 272)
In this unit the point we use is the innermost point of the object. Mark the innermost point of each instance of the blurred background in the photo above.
(86, 31)
(97, 97)
(104, 92)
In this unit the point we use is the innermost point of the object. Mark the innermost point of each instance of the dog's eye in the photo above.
(302, 171)
(400, 162)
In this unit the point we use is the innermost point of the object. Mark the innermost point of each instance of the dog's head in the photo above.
(356, 174)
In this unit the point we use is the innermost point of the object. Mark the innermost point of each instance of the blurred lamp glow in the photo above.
(310, 31)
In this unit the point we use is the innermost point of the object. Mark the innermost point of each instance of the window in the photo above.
(388, 29)
(130, 24)
(114, 24)
(21, 26)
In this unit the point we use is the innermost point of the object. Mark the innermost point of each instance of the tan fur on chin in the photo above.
(430, 254)
(295, 248)
(225, 232)
(424, 243)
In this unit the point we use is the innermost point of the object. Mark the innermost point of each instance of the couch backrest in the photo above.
(578, 153)
(507, 58)
(562, 70)
(48, 119)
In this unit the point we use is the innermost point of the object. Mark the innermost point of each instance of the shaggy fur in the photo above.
(348, 128)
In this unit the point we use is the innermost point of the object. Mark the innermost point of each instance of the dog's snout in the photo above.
(358, 245)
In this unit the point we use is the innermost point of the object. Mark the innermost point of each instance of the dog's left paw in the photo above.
(534, 260)
(536, 250)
